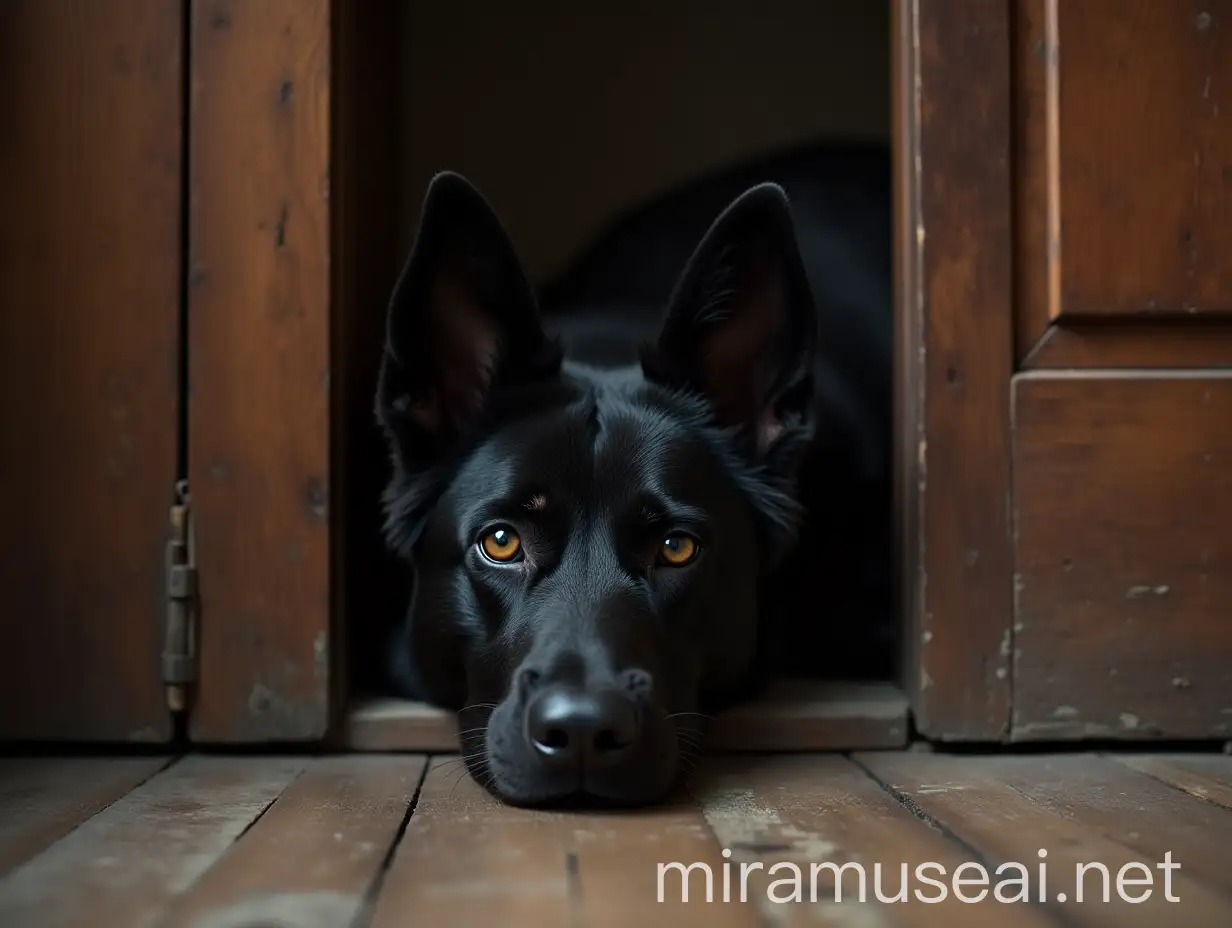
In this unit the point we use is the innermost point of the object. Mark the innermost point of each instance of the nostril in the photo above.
(618, 726)
(608, 740)
(575, 728)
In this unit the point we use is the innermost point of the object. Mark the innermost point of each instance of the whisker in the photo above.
(478, 705)
(462, 776)
(699, 715)
(465, 761)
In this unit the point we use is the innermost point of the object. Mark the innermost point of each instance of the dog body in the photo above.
(605, 496)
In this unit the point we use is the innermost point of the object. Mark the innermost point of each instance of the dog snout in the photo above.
(572, 728)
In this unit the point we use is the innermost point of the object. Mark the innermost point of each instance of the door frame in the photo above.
(953, 142)
(953, 130)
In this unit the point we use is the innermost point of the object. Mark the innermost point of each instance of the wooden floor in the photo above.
(386, 840)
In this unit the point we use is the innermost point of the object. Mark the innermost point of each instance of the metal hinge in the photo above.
(180, 633)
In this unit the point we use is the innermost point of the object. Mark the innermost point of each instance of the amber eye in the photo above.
(501, 544)
(678, 549)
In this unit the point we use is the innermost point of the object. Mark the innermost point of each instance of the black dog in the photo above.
(602, 538)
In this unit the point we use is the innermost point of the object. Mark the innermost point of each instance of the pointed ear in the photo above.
(462, 319)
(741, 325)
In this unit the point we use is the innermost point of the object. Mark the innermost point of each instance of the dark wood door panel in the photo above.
(259, 356)
(90, 175)
(1123, 520)
(1124, 157)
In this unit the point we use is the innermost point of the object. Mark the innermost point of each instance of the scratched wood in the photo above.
(1122, 502)
(314, 856)
(468, 860)
(806, 811)
(259, 355)
(1131, 808)
(970, 798)
(44, 799)
(955, 354)
(1206, 776)
(128, 862)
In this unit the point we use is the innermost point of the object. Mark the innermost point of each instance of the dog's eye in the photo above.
(501, 544)
(678, 549)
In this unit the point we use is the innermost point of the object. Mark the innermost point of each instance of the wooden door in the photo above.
(90, 182)
(1122, 415)
(1065, 241)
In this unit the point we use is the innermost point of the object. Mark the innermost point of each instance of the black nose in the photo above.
(578, 729)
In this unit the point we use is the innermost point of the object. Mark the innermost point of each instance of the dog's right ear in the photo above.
(462, 319)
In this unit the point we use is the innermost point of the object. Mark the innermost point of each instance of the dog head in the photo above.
(587, 545)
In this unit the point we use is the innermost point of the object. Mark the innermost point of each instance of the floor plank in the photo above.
(43, 799)
(124, 865)
(969, 797)
(810, 810)
(1131, 808)
(1205, 776)
(247, 842)
(311, 859)
(468, 860)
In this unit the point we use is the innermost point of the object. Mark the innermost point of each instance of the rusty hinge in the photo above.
(180, 634)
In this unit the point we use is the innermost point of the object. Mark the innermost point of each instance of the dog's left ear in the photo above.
(741, 325)
(462, 320)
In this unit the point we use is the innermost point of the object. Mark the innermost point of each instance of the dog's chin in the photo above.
(506, 766)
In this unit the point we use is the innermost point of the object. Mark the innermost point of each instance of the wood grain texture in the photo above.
(42, 800)
(242, 842)
(1142, 158)
(1153, 346)
(90, 178)
(1205, 776)
(804, 812)
(791, 716)
(1130, 808)
(467, 860)
(259, 365)
(1143, 214)
(128, 862)
(969, 798)
(313, 858)
(956, 336)
(1123, 498)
